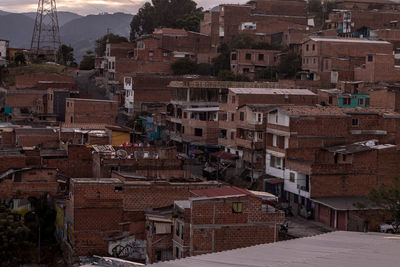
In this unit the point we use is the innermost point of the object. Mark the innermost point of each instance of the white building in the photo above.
(129, 94)
(3, 52)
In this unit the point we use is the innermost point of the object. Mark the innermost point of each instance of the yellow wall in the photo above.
(119, 138)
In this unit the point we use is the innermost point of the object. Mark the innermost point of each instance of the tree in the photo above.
(19, 58)
(100, 46)
(388, 198)
(289, 65)
(65, 55)
(166, 13)
(87, 62)
(227, 75)
(184, 66)
(15, 247)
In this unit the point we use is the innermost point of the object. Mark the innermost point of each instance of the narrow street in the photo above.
(300, 227)
(86, 85)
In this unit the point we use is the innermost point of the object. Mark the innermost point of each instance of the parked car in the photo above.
(388, 227)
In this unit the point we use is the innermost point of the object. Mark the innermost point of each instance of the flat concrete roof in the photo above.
(332, 249)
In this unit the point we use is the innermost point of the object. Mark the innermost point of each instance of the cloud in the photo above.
(85, 7)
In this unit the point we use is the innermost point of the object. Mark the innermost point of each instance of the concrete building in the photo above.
(3, 52)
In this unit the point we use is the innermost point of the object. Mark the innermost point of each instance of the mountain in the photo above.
(77, 31)
(2, 13)
(82, 33)
(63, 16)
(16, 28)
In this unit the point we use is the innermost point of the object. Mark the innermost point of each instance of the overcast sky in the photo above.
(84, 7)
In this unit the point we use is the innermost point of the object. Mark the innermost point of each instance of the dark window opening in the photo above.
(248, 56)
(198, 132)
(260, 57)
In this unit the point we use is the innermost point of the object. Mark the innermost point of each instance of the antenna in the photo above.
(46, 32)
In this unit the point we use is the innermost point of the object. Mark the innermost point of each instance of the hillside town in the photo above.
(274, 121)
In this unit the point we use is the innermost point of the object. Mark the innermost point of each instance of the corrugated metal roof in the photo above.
(271, 91)
(347, 40)
(332, 249)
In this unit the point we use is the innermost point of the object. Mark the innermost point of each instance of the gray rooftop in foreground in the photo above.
(327, 250)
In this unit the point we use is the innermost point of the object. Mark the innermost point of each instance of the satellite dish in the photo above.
(122, 154)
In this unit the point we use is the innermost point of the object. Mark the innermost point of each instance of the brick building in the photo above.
(252, 61)
(31, 182)
(299, 136)
(90, 111)
(330, 60)
(242, 120)
(107, 215)
(378, 68)
(221, 219)
(191, 115)
(261, 19)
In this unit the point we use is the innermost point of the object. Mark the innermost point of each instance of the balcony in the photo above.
(249, 144)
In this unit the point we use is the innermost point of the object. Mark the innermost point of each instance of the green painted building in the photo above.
(353, 100)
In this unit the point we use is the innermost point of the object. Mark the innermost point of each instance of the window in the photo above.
(330, 100)
(165, 54)
(72, 120)
(232, 135)
(260, 57)
(335, 158)
(246, 70)
(361, 102)
(260, 135)
(346, 101)
(233, 99)
(307, 47)
(198, 132)
(242, 116)
(151, 53)
(314, 60)
(275, 140)
(237, 207)
(185, 115)
(370, 58)
(233, 56)
(344, 158)
(313, 47)
(291, 177)
(367, 102)
(177, 252)
(113, 65)
(354, 122)
(326, 65)
(248, 56)
(259, 117)
(232, 117)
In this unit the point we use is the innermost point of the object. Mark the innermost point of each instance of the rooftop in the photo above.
(220, 192)
(312, 111)
(339, 248)
(358, 147)
(347, 40)
(344, 203)
(271, 91)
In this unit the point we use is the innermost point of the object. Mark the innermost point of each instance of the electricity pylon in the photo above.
(46, 32)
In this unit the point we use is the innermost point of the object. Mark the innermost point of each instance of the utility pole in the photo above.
(46, 32)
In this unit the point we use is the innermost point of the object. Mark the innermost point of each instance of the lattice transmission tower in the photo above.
(46, 32)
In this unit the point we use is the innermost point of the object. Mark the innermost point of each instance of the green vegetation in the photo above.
(289, 65)
(8, 74)
(166, 13)
(19, 59)
(15, 244)
(320, 9)
(65, 56)
(87, 62)
(227, 75)
(388, 198)
(186, 66)
(102, 42)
